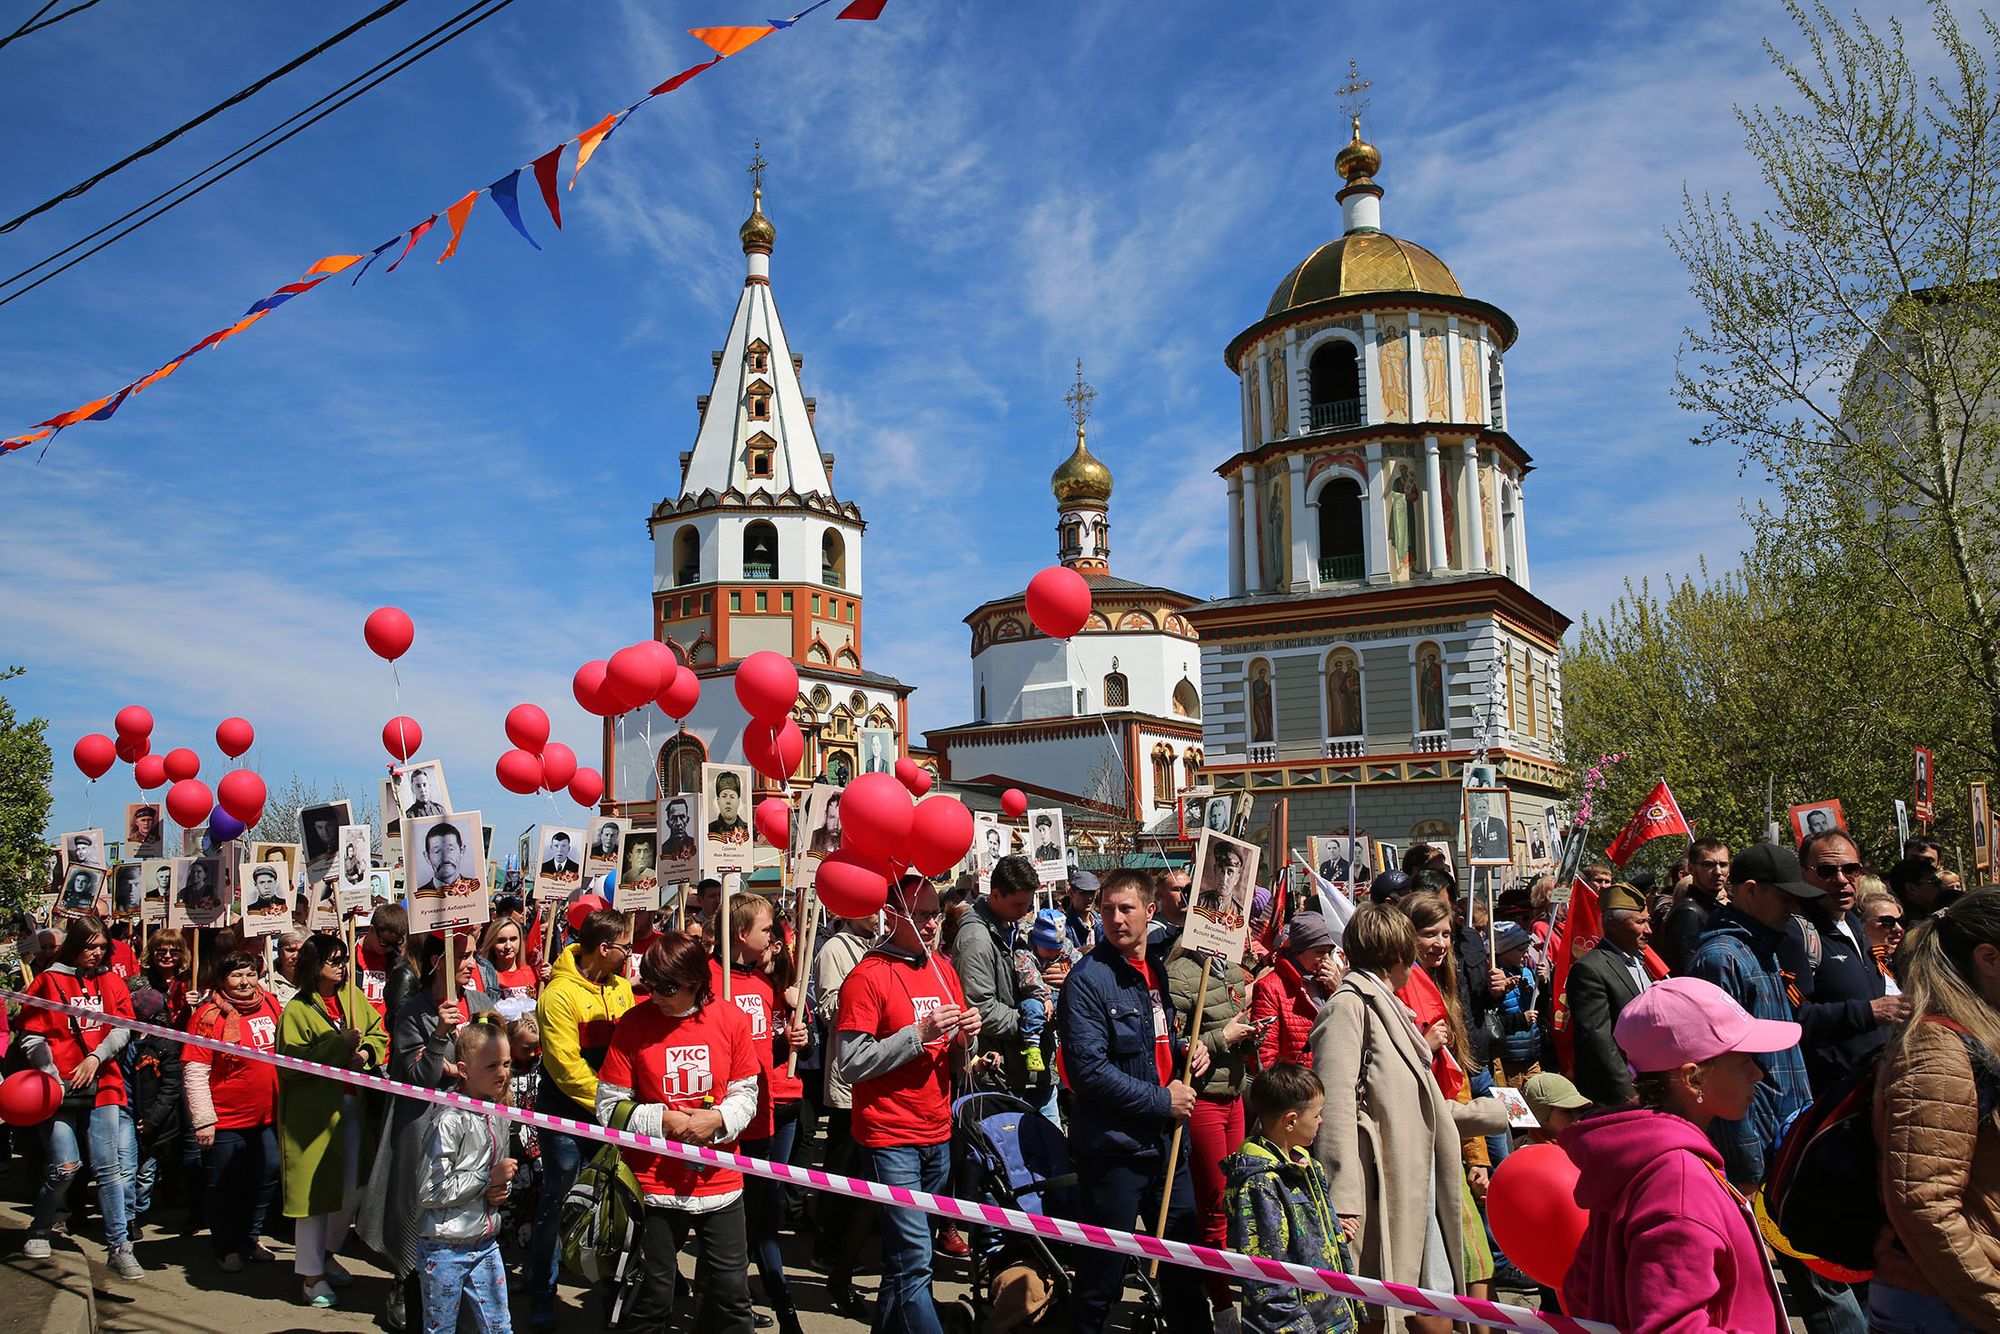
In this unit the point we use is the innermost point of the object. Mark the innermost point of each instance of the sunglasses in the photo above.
(1828, 870)
(1887, 923)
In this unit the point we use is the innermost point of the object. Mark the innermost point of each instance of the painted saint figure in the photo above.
(1260, 701)
(1430, 691)
(1343, 696)
(1437, 393)
(1395, 364)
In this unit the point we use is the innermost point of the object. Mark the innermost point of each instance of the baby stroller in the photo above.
(1008, 1154)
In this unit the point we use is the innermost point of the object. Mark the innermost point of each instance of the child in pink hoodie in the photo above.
(1670, 1247)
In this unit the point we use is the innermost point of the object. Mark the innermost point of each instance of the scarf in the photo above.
(1420, 995)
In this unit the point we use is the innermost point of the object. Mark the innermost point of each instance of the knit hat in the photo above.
(1308, 931)
(1510, 936)
(147, 1004)
(1047, 932)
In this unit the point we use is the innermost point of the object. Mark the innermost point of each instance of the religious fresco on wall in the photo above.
(1275, 549)
(1437, 393)
(1406, 511)
(1430, 689)
(1468, 379)
(1258, 689)
(1486, 516)
(1343, 694)
(1280, 399)
(1394, 360)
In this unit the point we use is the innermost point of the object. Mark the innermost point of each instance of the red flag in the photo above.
(1581, 927)
(684, 76)
(863, 9)
(546, 167)
(1658, 814)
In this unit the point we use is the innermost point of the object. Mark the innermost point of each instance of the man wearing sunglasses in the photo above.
(1846, 1016)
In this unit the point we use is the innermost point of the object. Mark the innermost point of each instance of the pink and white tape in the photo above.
(1375, 1292)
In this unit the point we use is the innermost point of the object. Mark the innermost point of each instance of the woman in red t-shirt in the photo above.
(759, 976)
(502, 947)
(84, 1056)
(233, 1109)
(688, 1062)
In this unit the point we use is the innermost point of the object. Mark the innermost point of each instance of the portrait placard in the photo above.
(267, 900)
(1902, 825)
(145, 825)
(606, 851)
(725, 842)
(85, 891)
(161, 881)
(1225, 875)
(680, 852)
(1535, 837)
(1489, 818)
(992, 839)
(420, 792)
(319, 835)
(1981, 817)
(83, 847)
(201, 898)
(350, 881)
(447, 873)
(1340, 860)
(287, 857)
(1925, 804)
(878, 750)
(1816, 817)
(128, 883)
(818, 827)
(381, 888)
(638, 887)
(1046, 844)
(558, 864)
(1191, 810)
(1388, 856)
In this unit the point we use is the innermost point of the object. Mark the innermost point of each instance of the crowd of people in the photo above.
(1333, 1097)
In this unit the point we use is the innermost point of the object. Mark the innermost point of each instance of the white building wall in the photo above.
(1038, 678)
(799, 547)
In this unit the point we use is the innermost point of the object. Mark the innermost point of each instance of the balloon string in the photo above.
(930, 955)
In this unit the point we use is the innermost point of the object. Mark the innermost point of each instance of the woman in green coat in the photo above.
(321, 1138)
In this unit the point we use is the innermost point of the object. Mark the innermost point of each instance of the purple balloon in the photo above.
(222, 826)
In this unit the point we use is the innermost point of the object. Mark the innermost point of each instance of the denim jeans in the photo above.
(144, 1177)
(471, 1270)
(562, 1158)
(242, 1179)
(1821, 1304)
(1117, 1192)
(763, 1202)
(114, 1155)
(1893, 1310)
(904, 1303)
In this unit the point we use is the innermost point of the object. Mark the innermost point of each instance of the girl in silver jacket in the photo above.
(463, 1189)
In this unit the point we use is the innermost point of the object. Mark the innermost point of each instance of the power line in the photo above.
(489, 8)
(84, 185)
(32, 26)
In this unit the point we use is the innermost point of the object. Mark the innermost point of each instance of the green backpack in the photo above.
(598, 1226)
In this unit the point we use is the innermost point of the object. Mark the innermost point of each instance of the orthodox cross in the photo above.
(1352, 103)
(1080, 398)
(757, 164)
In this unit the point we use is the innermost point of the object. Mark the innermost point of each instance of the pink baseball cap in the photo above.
(1685, 1019)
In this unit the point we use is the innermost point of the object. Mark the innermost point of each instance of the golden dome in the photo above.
(1362, 262)
(1082, 476)
(757, 232)
(1360, 160)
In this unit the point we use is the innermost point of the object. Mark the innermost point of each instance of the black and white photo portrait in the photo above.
(144, 824)
(83, 847)
(1046, 844)
(127, 887)
(878, 750)
(421, 791)
(1488, 825)
(319, 835)
(447, 872)
(725, 805)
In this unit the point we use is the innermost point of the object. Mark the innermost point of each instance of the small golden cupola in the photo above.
(757, 233)
(1082, 488)
(1082, 477)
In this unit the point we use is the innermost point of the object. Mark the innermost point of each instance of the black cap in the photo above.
(1772, 864)
(1389, 885)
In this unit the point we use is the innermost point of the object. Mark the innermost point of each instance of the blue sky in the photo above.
(968, 197)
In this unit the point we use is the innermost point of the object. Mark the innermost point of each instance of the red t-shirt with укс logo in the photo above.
(245, 1092)
(910, 1105)
(687, 1064)
(371, 974)
(750, 991)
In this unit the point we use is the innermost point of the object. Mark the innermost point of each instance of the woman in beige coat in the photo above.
(1389, 1139)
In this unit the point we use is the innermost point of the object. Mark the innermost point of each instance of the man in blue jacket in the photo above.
(1120, 1052)
(1847, 1016)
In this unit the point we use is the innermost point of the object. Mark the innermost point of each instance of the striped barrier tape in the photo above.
(1230, 1264)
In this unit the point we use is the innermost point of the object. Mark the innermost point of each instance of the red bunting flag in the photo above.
(1659, 814)
(415, 234)
(546, 167)
(863, 9)
(684, 76)
(455, 217)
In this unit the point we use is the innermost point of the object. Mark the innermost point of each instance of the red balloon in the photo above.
(588, 687)
(189, 801)
(233, 736)
(241, 793)
(519, 772)
(389, 632)
(182, 764)
(583, 908)
(95, 754)
(678, 700)
(401, 737)
(774, 821)
(1058, 601)
(586, 787)
(1531, 1204)
(1014, 802)
(632, 677)
(528, 727)
(558, 766)
(940, 832)
(777, 752)
(663, 658)
(913, 776)
(149, 771)
(849, 884)
(875, 817)
(132, 749)
(767, 685)
(29, 1097)
(134, 720)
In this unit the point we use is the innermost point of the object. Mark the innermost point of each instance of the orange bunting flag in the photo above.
(728, 41)
(334, 264)
(159, 374)
(587, 142)
(455, 217)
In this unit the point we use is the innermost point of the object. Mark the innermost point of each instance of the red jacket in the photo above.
(1283, 992)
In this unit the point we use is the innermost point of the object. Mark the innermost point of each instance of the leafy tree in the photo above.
(26, 770)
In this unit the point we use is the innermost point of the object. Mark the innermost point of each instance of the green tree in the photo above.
(1850, 351)
(26, 770)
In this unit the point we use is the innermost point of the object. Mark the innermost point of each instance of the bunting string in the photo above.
(505, 194)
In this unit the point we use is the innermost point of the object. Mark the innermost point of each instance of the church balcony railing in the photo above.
(1263, 752)
(1342, 569)
(1344, 748)
(1430, 743)
(753, 569)
(830, 577)
(1337, 415)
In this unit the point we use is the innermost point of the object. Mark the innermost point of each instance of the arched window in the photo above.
(680, 762)
(687, 555)
(1187, 700)
(760, 551)
(1163, 773)
(1336, 386)
(1190, 765)
(1117, 691)
(982, 704)
(1072, 540)
(1341, 553)
(833, 559)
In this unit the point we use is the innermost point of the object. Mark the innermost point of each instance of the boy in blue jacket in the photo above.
(1278, 1207)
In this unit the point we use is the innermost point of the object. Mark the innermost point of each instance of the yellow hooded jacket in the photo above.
(576, 1017)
